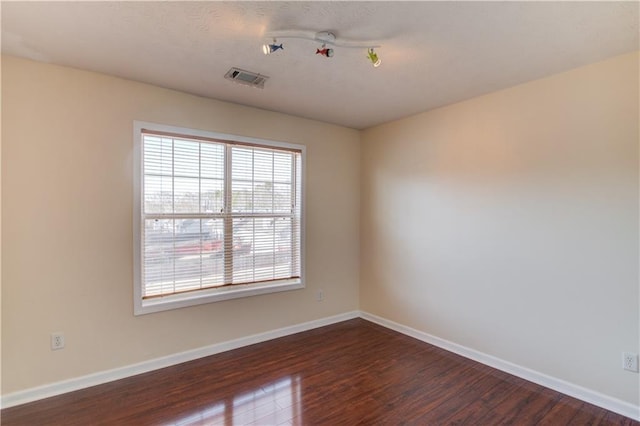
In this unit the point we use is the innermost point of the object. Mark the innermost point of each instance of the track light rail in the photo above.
(324, 37)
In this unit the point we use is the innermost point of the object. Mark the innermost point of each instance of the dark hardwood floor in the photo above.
(354, 372)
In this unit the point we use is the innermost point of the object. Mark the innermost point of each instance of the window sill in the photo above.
(176, 301)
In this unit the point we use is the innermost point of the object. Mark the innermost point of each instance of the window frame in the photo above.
(214, 294)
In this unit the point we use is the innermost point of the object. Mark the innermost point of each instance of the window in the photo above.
(216, 217)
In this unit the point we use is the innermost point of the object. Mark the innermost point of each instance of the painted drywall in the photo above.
(509, 224)
(67, 214)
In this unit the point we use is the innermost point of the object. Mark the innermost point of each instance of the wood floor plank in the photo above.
(349, 373)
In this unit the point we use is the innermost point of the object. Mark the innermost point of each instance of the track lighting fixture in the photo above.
(326, 38)
(270, 48)
(373, 57)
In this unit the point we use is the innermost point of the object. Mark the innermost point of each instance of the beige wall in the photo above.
(67, 216)
(509, 224)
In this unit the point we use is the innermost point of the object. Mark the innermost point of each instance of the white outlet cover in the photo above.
(630, 361)
(57, 341)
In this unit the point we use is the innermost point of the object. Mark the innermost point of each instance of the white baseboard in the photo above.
(57, 388)
(584, 394)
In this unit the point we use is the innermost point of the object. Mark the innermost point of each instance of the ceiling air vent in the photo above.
(246, 77)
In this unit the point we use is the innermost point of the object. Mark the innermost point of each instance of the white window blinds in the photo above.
(217, 213)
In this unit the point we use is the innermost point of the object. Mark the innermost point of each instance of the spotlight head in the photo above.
(373, 57)
(325, 51)
(270, 48)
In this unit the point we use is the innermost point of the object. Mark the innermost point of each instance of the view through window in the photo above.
(217, 213)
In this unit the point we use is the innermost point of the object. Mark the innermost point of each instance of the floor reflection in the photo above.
(276, 403)
(214, 415)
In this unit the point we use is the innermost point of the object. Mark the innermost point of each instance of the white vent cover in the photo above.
(246, 77)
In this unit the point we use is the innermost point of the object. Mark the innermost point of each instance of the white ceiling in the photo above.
(433, 53)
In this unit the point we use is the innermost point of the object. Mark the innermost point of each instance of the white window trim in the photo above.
(181, 300)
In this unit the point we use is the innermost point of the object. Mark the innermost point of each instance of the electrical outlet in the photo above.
(319, 295)
(630, 361)
(57, 341)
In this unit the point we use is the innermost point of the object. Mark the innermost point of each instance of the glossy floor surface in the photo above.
(348, 373)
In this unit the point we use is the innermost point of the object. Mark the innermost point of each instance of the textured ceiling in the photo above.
(433, 53)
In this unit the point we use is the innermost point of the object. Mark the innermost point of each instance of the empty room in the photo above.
(320, 213)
